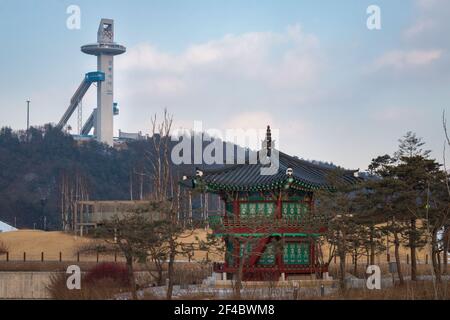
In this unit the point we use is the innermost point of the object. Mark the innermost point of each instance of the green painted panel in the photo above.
(257, 209)
(229, 253)
(294, 210)
(215, 221)
(229, 207)
(268, 257)
(248, 250)
(296, 253)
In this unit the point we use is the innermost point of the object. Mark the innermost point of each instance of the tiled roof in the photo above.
(247, 177)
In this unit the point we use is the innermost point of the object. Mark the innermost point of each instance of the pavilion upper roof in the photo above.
(292, 172)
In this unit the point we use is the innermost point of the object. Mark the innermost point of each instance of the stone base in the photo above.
(305, 283)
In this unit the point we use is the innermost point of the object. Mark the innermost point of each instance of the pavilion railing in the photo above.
(308, 222)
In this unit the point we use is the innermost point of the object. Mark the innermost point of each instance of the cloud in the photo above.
(419, 27)
(430, 22)
(404, 59)
(287, 60)
(250, 120)
(246, 80)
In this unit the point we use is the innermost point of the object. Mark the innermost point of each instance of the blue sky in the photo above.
(335, 90)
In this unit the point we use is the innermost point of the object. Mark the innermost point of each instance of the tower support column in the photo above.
(105, 100)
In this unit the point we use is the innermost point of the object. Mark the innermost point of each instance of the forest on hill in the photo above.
(39, 169)
(32, 171)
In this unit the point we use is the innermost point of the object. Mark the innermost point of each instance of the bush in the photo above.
(103, 281)
(102, 289)
(186, 275)
(116, 272)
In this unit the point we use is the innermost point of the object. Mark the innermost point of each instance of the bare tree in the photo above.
(131, 233)
(73, 187)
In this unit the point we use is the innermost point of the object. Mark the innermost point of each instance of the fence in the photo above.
(421, 258)
(62, 257)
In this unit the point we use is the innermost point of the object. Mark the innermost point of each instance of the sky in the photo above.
(334, 89)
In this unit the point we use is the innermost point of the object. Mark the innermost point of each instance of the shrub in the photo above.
(102, 289)
(186, 275)
(117, 272)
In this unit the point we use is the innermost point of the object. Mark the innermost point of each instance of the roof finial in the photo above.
(269, 141)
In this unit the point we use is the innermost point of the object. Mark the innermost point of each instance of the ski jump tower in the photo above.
(101, 118)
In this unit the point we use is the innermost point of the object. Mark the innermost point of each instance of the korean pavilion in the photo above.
(269, 223)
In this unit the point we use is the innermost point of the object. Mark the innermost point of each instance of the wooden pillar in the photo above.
(237, 251)
(236, 208)
(279, 207)
(279, 259)
(312, 256)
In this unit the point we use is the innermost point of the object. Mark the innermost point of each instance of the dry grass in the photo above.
(420, 290)
(422, 269)
(412, 290)
(100, 290)
(3, 248)
(33, 242)
(190, 274)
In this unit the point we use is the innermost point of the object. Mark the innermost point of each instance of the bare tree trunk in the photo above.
(372, 245)
(190, 208)
(435, 256)
(397, 258)
(239, 275)
(412, 242)
(141, 189)
(131, 185)
(342, 251)
(129, 262)
(170, 271)
(446, 240)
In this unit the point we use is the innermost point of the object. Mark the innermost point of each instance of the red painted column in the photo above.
(312, 255)
(236, 208)
(279, 260)
(279, 208)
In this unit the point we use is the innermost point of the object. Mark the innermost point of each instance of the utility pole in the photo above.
(28, 119)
